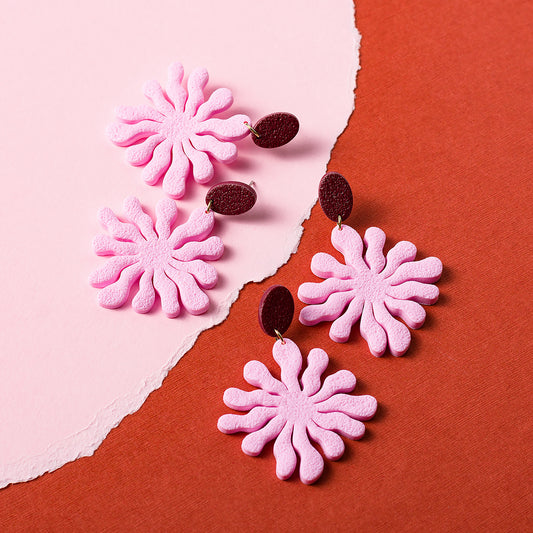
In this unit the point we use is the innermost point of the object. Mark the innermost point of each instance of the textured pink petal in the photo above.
(119, 230)
(192, 297)
(372, 332)
(341, 423)
(219, 101)
(176, 175)
(398, 335)
(331, 309)
(123, 134)
(202, 168)
(106, 245)
(166, 212)
(198, 227)
(317, 362)
(289, 358)
(168, 292)
(132, 115)
(258, 375)
(311, 462)
(195, 87)
(251, 421)
(341, 328)
(117, 293)
(358, 407)
(398, 254)
(228, 129)
(428, 270)
(210, 249)
(414, 290)
(350, 245)
(110, 271)
(284, 453)
(176, 93)
(144, 222)
(204, 274)
(374, 241)
(139, 154)
(325, 266)
(254, 443)
(244, 401)
(155, 93)
(341, 381)
(412, 313)
(316, 293)
(225, 152)
(145, 298)
(159, 163)
(331, 444)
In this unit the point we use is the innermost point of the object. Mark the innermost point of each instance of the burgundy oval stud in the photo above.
(231, 198)
(276, 310)
(335, 196)
(275, 130)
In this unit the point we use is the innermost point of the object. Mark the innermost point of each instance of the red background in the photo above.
(438, 153)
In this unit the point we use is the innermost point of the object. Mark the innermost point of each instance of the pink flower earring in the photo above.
(369, 287)
(171, 262)
(180, 135)
(293, 410)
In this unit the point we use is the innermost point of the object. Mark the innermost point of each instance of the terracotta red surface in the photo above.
(437, 152)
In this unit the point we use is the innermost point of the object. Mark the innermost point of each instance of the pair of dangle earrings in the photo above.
(174, 140)
(368, 287)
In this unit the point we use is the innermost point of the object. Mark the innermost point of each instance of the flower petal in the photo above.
(358, 407)
(317, 362)
(202, 168)
(423, 293)
(289, 358)
(341, 381)
(258, 375)
(220, 100)
(176, 93)
(374, 240)
(372, 332)
(225, 152)
(168, 292)
(341, 423)
(244, 401)
(145, 298)
(249, 422)
(117, 293)
(412, 313)
(284, 453)
(341, 327)
(195, 87)
(311, 462)
(139, 154)
(254, 443)
(175, 177)
(398, 334)
(226, 129)
(331, 444)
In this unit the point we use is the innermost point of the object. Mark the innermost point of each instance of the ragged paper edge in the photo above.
(85, 442)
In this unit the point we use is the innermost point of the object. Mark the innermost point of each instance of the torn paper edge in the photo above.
(85, 442)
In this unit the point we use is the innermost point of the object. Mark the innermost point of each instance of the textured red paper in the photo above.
(438, 153)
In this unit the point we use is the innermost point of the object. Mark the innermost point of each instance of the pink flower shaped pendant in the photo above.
(292, 413)
(178, 136)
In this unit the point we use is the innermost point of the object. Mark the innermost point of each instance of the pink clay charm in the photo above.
(179, 136)
(169, 261)
(293, 411)
(370, 288)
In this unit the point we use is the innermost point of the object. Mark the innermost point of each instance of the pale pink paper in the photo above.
(71, 370)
